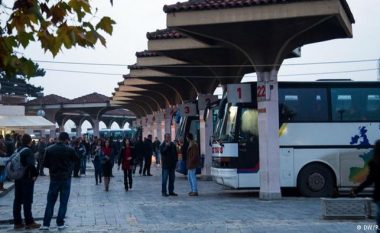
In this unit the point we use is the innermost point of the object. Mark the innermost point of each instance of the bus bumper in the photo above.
(226, 177)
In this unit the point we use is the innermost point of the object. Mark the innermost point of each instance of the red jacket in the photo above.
(107, 151)
(126, 158)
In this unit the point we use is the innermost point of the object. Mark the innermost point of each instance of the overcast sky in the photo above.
(136, 18)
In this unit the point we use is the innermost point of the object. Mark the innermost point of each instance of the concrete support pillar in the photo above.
(268, 122)
(168, 126)
(61, 128)
(159, 130)
(206, 130)
(95, 127)
(144, 132)
(173, 129)
(79, 130)
(155, 130)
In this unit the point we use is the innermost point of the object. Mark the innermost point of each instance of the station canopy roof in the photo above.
(25, 122)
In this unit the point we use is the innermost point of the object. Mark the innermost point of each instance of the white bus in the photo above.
(326, 133)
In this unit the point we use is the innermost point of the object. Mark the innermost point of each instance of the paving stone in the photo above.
(144, 210)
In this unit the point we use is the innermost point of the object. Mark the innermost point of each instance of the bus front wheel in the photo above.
(316, 180)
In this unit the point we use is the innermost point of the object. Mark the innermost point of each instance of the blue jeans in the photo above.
(157, 154)
(83, 162)
(3, 175)
(192, 177)
(168, 173)
(63, 188)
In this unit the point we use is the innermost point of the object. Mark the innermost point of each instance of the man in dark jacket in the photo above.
(169, 158)
(24, 187)
(59, 158)
(148, 152)
(139, 151)
(156, 150)
(10, 144)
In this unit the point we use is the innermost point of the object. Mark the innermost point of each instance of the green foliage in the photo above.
(19, 86)
(54, 24)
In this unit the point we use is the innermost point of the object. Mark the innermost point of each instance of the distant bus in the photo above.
(187, 124)
(116, 134)
(326, 133)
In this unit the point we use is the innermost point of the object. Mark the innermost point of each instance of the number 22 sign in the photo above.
(261, 92)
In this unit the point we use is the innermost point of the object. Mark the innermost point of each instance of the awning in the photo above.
(25, 122)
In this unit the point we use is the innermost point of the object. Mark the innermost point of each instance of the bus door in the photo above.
(286, 165)
(248, 146)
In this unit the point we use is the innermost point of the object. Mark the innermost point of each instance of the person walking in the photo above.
(139, 155)
(85, 156)
(41, 153)
(156, 150)
(115, 145)
(148, 152)
(97, 161)
(59, 159)
(193, 161)
(373, 178)
(169, 158)
(107, 166)
(126, 156)
(24, 187)
(81, 152)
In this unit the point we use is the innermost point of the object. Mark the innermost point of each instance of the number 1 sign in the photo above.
(239, 93)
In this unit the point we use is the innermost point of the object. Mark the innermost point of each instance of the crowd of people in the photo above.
(66, 158)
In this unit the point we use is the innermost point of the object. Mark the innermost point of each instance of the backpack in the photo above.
(14, 168)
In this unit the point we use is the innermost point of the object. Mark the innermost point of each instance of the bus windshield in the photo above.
(227, 133)
(181, 128)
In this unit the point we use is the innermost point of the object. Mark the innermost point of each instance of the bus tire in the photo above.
(316, 180)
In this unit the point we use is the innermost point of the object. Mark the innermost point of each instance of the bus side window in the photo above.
(288, 106)
(303, 105)
(373, 107)
(355, 104)
(341, 105)
(286, 114)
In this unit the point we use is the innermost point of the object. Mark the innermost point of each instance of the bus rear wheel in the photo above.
(316, 180)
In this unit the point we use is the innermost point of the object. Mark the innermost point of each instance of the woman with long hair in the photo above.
(126, 157)
(373, 178)
(107, 166)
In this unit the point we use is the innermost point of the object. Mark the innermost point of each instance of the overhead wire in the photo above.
(222, 76)
(209, 66)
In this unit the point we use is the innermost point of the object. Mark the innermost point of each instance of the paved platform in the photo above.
(8, 185)
(143, 209)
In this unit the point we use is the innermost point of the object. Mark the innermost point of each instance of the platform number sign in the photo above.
(205, 99)
(239, 93)
(188, 109)
(261, 91)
